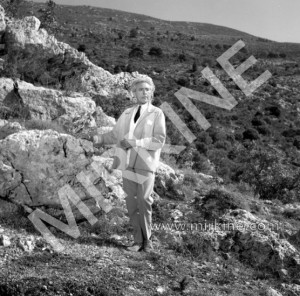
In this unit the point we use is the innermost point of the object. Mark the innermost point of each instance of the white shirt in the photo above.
(133, 124)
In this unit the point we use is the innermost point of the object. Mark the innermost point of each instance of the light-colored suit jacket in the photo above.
(150, 129)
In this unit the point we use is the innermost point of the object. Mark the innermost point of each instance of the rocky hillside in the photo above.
(226, 211)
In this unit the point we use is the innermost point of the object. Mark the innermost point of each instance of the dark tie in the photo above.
(137, 114)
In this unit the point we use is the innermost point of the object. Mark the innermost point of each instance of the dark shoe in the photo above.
(147, 246)
(136, 247)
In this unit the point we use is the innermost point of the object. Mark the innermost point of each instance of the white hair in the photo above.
(142, 79)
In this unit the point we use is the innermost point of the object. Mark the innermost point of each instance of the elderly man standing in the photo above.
(139, 135)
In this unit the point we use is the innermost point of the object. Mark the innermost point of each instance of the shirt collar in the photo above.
(143, 106)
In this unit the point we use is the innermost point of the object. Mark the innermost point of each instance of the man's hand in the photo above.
(126, 143)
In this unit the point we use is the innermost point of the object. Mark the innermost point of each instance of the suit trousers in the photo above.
(139, 202)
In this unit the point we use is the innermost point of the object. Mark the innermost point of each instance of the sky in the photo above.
(278, 20)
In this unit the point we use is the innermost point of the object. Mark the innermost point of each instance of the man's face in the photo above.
(143, 93)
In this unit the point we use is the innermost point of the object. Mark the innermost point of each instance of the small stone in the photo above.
(4, 241)
(283, 273)
(160, 290)
(26, 244)
(272, 292)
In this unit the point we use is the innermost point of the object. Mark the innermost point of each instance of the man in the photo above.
(139, 135)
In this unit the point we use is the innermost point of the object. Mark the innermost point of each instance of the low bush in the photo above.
(43, 125)
(267, 171)
(136, 53)
(155, 51)
(291, 133)
(218, 201)
(250, 134)
(273, 110)
(264, 130)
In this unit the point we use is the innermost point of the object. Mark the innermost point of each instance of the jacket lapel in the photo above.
(149, 109)
(128, 113)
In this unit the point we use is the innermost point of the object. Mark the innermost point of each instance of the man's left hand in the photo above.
(126, 143)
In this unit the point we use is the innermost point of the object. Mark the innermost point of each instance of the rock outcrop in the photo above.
(43, 103)
(40, 57)
(75, 112)
(2, 21)
(34, 165)
(257, 242)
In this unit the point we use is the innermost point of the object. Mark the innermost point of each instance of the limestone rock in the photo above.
(35, 164)
(272, 292)
(291, 289)
(44, 103)
(165, 179)
(26, 244)
(4, 240)
(103, 120)
(2, 21)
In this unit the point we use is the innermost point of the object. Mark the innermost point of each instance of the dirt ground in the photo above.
(97, 263)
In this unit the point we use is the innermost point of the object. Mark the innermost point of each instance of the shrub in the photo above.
(190, 180)
(197, 245)
(119, 69)
(272, 55)
(250, 134)
(130, 68)
(133, 33)
(291, 133)
(257, 122)
(201, 147)
(266, 171)
(182, 57)
(48, 17)
(194, 67)
(296, 143)
(136, 53)
(226, 46)
(81, 47)
(183, 81)
(155, 51)
(282, 55)
(43, 125)
(218, 201)
(264, 130)
(200, 163)
(273, 110)
(13, 8)
(207, 62)
(222, 144)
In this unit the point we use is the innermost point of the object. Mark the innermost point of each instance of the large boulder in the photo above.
(34, 165)
(43, 103)
(39, 57)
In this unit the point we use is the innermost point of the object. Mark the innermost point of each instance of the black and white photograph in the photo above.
(149, 148)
